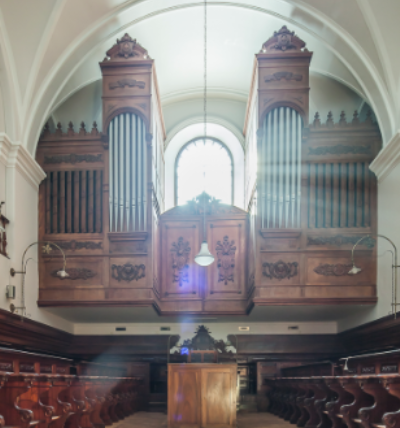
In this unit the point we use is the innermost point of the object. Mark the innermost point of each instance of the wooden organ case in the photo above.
(308, 191)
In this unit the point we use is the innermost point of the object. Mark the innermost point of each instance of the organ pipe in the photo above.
(128, 171)
(281, 169)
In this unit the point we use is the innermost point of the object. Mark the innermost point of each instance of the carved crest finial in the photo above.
(127, 48)
(94, 129)
(46, 129)
(283, 40)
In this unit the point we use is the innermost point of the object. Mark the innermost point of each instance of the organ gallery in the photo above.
(198, 219)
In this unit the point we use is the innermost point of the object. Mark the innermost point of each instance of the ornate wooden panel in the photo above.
(180, 274)
(226, 276)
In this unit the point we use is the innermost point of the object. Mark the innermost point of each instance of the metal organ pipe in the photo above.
(128, 170)
(281, 160)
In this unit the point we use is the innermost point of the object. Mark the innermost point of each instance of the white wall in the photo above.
(387, 168)
(20, 176)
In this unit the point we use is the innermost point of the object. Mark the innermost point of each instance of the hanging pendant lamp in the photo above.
(204, 257)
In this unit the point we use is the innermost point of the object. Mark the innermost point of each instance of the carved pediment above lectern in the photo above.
(126, 48)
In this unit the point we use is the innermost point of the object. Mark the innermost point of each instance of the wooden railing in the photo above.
(364, 392)
(38, 391)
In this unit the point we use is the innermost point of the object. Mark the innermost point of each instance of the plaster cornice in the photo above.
(387, 159)
(16, 156)
(5, 147)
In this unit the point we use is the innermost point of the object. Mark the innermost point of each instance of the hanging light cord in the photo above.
(205, 70)
(205, 109)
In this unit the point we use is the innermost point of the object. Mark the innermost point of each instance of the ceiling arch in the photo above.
(72, 43)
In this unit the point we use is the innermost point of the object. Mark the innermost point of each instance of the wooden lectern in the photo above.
(202, 395)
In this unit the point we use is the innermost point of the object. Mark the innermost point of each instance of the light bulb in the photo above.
(204, 258)
(354, 270)
(62, 274)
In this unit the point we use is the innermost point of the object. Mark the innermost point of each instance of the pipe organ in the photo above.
(309, 196)
(127, 173)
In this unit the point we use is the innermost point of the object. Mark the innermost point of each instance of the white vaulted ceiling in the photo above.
(50, 51)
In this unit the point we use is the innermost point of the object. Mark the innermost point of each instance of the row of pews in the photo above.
(357, 392)
(50, 392)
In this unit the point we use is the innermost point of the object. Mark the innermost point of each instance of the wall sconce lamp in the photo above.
(355, 270)
(46, 249)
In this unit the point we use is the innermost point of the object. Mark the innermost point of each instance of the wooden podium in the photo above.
(202, 395)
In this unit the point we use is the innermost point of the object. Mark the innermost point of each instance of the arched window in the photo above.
(204, 165)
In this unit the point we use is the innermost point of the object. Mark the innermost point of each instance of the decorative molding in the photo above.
(280, 270)
(339, 240)
(387, 159)
(279, 75)
(283, 40)
(73, 158)
(131, 83)
(340, 149)
(226, 260)
(128, 272)
(338, 269)
(75, 274)
(5, 148)
(17, 156)
(180, 256)
(79, 245)
(389, 368)
(6, 367)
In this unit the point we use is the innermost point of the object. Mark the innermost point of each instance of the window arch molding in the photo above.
(195, 131)
(178, 157)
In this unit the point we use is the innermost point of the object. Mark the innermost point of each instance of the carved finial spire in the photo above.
(94, 129)
(46, 130)
(355, 120)
(82, 130)
(59, 130)
(329, 121)
(317, 121)
(342, 120)
(283, 40)
(70, 129)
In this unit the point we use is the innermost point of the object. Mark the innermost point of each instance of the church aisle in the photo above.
(159, 420)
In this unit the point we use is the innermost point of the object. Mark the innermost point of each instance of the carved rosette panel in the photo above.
(75, 274)
(338, 269)
(128, 272)
(280, 270)
(180, 256)
(226, 260)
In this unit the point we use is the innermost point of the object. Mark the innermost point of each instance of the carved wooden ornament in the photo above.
(180, 256)
(283, 40)
(226, 260)
(128, 272)
(333, 270)
(280, 270)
